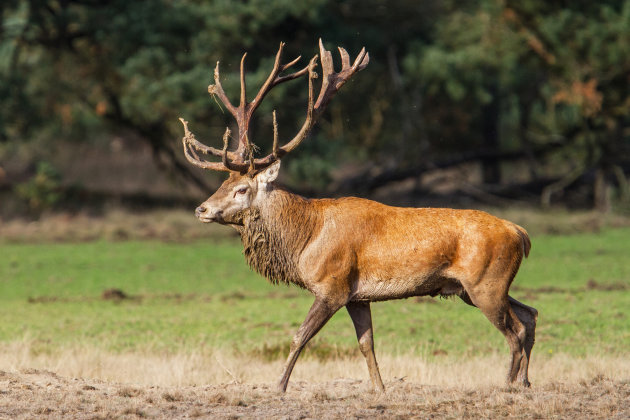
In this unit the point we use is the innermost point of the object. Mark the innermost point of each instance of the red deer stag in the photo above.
(351, 251)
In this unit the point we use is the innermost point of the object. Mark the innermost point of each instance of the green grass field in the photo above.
(201, 295)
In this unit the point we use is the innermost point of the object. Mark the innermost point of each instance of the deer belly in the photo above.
(394, 273)
(374, 289)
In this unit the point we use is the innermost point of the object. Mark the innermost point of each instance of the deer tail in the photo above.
(527, 244)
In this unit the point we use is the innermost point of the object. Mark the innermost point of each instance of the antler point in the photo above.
(185, 124)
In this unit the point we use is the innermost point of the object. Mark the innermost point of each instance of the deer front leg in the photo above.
(362, 319)
(317, 317)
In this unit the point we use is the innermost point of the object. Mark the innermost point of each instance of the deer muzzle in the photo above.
(208, 214)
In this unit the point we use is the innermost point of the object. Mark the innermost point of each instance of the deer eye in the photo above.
(241, 190)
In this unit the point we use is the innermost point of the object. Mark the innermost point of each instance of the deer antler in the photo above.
(242, 159)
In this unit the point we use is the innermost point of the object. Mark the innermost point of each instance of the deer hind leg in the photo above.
(528, 316)
(316, 318)
(500, 313)
(362, 319)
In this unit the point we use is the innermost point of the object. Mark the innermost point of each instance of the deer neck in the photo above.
(275, 234)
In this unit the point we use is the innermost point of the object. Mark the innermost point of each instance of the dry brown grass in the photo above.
(221, 366)
(115, 225)
(89, 383)
(181, 225)
(561, 222)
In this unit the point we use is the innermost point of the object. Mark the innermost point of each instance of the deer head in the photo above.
(237, 194)
(251, 178)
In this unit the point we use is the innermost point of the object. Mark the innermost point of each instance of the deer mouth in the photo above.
(214, 219)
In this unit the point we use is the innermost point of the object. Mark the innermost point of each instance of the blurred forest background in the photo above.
(502, 102)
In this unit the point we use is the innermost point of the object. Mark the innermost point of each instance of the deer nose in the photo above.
(200, 210)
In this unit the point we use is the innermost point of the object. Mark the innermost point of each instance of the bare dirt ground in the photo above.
(43, 394)
(91, 383)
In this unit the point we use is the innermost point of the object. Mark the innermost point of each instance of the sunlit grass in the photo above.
(201, 294)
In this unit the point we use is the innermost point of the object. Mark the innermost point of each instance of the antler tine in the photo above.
(292, 76)
(291, 64)
(273, 79)
(229, 164)
(191, 155)
(362, 60)
(217, 89)
(309, 121)
(243, 87)
(239, 114)
(242, 119)
(199, 146)
(275, 136)
(345, 58)
(266, 87)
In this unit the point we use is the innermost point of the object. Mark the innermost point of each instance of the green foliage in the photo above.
(42, 191)
(184, 297)
(311, 169)
(445, 79)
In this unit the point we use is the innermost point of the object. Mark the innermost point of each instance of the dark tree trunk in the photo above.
(601, 191)
(491, 168)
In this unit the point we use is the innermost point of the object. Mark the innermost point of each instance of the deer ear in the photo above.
(270, 173)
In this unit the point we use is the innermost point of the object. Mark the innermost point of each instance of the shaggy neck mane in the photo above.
(275, 234)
